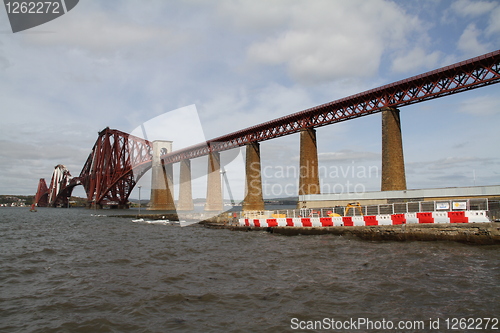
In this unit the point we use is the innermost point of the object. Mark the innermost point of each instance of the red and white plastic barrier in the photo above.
(468, 216)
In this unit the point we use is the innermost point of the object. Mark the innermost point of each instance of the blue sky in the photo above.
(122, 63)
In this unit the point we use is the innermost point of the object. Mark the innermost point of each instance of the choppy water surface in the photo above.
(64, 270)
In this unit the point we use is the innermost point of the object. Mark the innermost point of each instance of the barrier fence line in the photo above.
(370, 210)
(468, 216)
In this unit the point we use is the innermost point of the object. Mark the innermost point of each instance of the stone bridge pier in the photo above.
(162, 186)
(393, 165)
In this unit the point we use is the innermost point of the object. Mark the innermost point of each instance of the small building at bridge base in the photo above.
(388, 197)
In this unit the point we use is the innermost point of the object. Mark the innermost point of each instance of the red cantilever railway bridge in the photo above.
(118, 159)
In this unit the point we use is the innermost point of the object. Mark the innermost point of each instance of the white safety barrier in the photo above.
(477, 216)
(337, 221)
(315, 221)
(411, 218)
(384, 219)
(297, 222)
(281, 222)
(440, 217)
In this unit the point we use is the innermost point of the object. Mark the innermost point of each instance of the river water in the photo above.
(63, 270)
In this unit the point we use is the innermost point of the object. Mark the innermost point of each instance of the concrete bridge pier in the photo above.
(308, 172)
(254, 199)
(214, 184)
(162, 178)
(185, 202)
(393, 165)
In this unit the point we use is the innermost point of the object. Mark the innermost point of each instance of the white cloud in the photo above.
(455, 161)
(481, 105)
(313, 57)
(348, 155)
(494, 22)
(469, 42)
(322, 41)
(258, 16)
(100, 33)
(452, 171)
(103, 30)
(173, 126)
(471, 36)
(416, 58)
(242, 108)
(473, 8)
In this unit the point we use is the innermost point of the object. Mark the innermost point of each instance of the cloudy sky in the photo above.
(240, 63)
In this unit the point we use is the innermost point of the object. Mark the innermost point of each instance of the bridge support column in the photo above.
(94, 205)
(393, 165)
(162, 178)
(254, 199)
(214, 184)
(308, 172)
(185, 189)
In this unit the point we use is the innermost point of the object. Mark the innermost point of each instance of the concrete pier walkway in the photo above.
(472, 233)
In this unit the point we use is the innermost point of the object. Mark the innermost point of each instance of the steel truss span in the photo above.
(116, 163)
(466, 75)
(114, 166)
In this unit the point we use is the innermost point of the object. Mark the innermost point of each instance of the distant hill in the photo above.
(16, 200)
(27, 200)
(282, 201)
